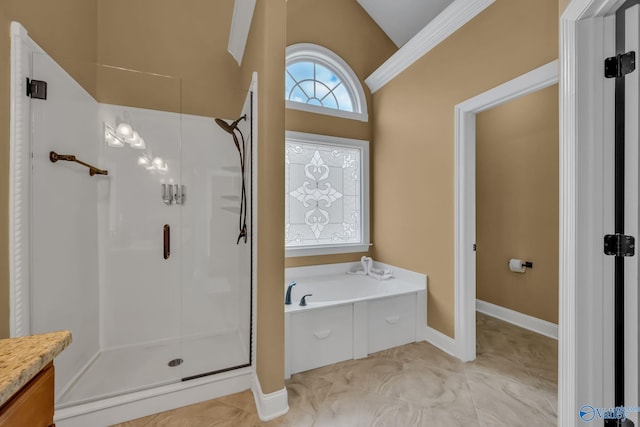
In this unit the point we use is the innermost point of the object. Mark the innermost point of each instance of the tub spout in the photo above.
(287, 299)
(303, 301)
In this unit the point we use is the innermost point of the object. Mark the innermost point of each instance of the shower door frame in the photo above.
(22, 48)
(131, 405)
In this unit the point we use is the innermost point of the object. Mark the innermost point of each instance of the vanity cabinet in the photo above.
(32, 405)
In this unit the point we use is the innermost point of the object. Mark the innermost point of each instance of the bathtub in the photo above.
(350, 316)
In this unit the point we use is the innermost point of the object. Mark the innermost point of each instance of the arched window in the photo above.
(319, 81)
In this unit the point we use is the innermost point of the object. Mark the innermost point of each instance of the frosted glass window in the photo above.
(324, 202)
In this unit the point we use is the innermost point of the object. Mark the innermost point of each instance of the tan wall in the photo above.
(65, 29)
(414, 137)
(517, 203)
(322, 259)
(346, 29)
(184, 39)
(265, 54)
(562, 5)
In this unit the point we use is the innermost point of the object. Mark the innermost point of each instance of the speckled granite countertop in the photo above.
(23, 358)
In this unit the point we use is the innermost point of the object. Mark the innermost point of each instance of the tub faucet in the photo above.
(303, 301)
(287, 299)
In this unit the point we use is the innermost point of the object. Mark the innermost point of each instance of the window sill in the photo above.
(292, 105)
(326, 250)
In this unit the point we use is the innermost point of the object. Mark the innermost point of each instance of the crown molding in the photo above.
(240, 26)
(442, 26)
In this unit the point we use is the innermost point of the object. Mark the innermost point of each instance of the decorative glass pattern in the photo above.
(315, 84)
(322, 194)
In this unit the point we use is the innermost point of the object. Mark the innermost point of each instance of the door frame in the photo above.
(465, 195)
(631, 199)
(22, 50)
(586, 171)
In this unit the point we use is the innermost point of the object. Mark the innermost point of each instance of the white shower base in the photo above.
(113, 410)
(131, 369)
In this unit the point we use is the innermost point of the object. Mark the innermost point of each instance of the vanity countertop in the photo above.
(23, 358)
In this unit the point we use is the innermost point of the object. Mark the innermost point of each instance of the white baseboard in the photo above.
(523, 320)
(440, 340)
(270, 405)
(130, 406)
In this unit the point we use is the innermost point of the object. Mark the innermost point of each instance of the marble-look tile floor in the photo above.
(513, 382)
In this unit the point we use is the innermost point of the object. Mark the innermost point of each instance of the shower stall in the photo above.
(127, 224)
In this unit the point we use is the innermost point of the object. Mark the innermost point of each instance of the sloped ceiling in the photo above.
(402, 19)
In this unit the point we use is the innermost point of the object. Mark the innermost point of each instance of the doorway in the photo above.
(465, 211)
(517, 211)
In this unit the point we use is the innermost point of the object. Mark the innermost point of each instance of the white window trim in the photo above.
(293, 105)
(363, 145)
(312, 52)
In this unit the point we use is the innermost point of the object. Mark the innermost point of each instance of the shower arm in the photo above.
(54, 157)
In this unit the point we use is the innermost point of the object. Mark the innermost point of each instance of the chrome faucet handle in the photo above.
(303, 301)
(179, 194)
(167, 194)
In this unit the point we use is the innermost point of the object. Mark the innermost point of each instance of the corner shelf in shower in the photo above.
(232, 209)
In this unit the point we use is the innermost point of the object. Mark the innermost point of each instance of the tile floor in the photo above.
(513, 382)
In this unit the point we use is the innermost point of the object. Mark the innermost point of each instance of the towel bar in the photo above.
(54, 157)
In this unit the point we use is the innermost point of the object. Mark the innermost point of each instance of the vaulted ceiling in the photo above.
(402, 19)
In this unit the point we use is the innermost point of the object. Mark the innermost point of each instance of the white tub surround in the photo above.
(350, 316)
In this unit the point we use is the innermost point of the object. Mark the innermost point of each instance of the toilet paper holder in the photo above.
(526, 264)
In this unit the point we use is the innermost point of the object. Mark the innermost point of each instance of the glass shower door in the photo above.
(216, 264)
(139, 269)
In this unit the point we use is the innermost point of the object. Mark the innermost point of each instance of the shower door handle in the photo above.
(167, 241)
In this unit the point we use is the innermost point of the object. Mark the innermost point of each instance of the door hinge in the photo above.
(36, 89)
(474, 247)
(619, 245)
(619, 65)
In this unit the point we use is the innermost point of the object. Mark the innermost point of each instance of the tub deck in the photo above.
(346, 289)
